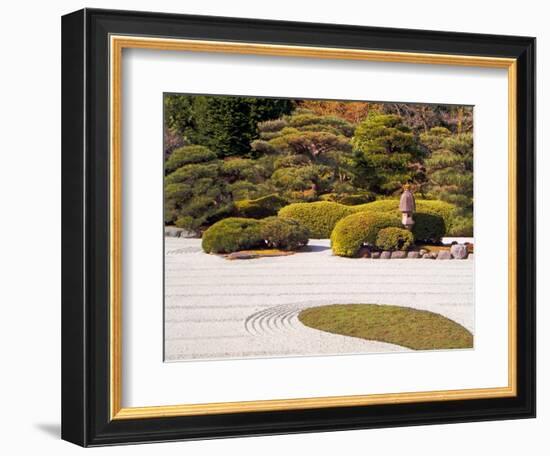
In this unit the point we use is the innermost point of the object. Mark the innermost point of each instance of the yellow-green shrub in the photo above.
(462, 226)
(355, 230)
(319, 217)
(349, 199)
(260, 207)
(446, 211)
(285, 234)
(232, 234)
(393, 238)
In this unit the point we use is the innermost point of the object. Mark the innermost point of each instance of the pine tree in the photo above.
(387, 154)
(225, 124)
(450, 172)
(314, 155)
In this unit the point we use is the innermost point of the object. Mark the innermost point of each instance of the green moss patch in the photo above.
(411, 328)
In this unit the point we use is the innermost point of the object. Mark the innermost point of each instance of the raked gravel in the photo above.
(216, 308)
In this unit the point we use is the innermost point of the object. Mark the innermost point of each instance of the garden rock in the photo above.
(444, 255)
(459, 251)
(172, 231)
(413, 255)
(422, 252)
(385, 255)
(375, 255)
(427, 256)
(399, 254)
(364, 253)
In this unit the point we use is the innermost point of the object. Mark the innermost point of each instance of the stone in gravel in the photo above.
(399, 254)
(422, 252)
(241, 256)
(413, 255)
(444, 255)
(471, 256)
(427, 256)
(385, 255)
(375, 255)
(459, 251)
(172, 231)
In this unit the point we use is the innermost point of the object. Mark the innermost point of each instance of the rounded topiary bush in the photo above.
(433, 218)
(393, 238)
(349, 199)
(356, 199)
(428, 227)
(284, 234)
(446, 211)
(260, 207)
(233, 234)
(385, 205)
(352, 232)
(319, 217)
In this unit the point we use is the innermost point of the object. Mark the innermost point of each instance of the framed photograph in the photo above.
(279, 227)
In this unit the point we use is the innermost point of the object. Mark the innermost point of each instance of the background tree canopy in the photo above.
(226, 155)
(226, 125)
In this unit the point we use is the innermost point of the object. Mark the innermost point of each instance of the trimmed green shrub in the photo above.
(285, 234)
(354, 200)
(428, 227)
(462, 226)
(352, 232)
(393, 238)
(188, 154)
(260, 207)
(232, 234)
(319, 217)
(383, 205)
(349, 199)
(446, 211)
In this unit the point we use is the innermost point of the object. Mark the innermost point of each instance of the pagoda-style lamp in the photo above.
(407, 207)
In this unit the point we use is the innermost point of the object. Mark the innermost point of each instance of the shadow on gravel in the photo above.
(314, 249)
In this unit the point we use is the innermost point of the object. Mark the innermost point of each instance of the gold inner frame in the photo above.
(117, 44)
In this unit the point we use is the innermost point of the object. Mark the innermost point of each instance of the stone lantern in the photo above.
(407, 207)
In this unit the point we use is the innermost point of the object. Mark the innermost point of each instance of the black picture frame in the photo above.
(85, 227)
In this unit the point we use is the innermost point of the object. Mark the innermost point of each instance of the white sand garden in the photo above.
(215, 308)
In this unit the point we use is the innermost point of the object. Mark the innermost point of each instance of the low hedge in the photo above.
(349, 199)
(319, 217)
(236, 233)
(353, 231)
(232, 234)
(422, 231)
(393, 238)
(431, 220)
(261, 207)
(284, 234)
(354, 200)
